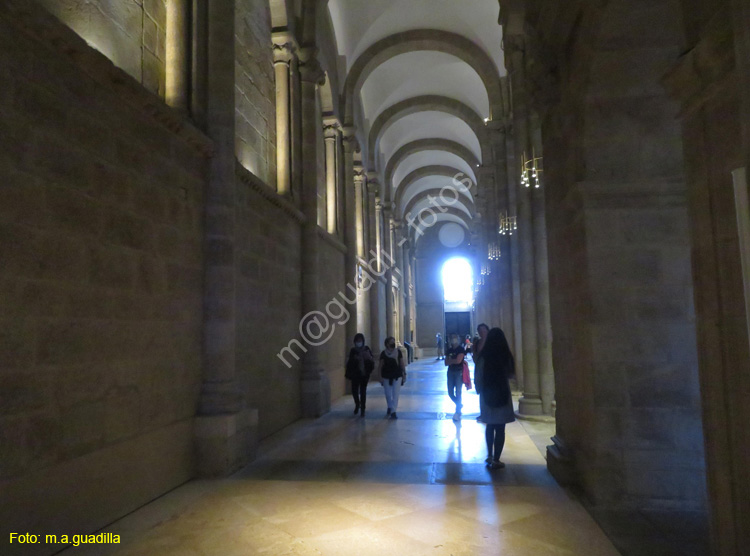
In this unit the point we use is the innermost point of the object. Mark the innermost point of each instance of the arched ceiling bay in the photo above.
(428, 125)
(361, 23)
(431, 158)
(425, 204)
(422, 73)
(394, 53)
(435, 186)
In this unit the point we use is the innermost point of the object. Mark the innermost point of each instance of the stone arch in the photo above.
(421, 40)
(450, 215)
(424, 172)
(423, 145)
(425, 103)
(463, 199)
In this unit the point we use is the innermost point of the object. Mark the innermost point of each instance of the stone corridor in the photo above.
(343, 485)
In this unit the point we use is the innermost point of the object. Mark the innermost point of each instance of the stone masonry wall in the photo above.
(268, 305)
(332, 285)
(100, 285)
(131, 33)
(255, 90)
(626, 357)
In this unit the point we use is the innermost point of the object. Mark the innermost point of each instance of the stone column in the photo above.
(282, 57)
(544, 326)
(315, 387)
(531, 402)
(400, 274)
(331, 131)
(373, 241)
(350, 238)
(359, 216)
(512, 242)
(407, 288)
(177, 78)
(504, 266)
(388, 260)
(379, 233)
(225, 428)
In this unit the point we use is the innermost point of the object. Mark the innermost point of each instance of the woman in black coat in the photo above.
(359, 366)
(494, 367)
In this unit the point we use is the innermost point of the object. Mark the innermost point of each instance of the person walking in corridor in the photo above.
(454, 359)
(494, 367)
(439, 342)
(359, 366)
(392, 369)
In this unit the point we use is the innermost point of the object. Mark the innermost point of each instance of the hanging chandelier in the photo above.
(531, 169)
(508, 225)
(493, 251)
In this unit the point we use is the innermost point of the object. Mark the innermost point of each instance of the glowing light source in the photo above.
(458, 280)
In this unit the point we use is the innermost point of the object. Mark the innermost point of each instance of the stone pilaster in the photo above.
(504, 266)
(177, 75)
(225, 428)
(373, 240)
(544, 327)
(315, 387)
(283, 54)
(332, 133)
(531, 402)
(388, 261)
(360, 224)
(352, 200)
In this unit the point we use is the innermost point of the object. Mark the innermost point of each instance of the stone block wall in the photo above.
(131, 33)
(268, 303)
(255, 90)
(332, 286)
(628, 398)
(100, 283)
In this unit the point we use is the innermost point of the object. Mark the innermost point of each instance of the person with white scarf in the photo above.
(392, 370)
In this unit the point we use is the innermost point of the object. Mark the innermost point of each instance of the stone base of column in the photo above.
(530, 406)
(560, 463)
(315, 392)
(225, 443)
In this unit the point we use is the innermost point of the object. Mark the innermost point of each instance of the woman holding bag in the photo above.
(494, 367)
(359, 366)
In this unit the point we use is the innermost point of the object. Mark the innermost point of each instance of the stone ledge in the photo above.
(267, 192)
(44, 28)
(331, 240)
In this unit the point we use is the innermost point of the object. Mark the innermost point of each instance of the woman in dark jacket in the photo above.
(494, 366)
(359, 366)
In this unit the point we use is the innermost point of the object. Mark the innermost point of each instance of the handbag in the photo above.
(466, 378)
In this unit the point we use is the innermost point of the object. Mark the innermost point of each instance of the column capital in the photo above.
(283, 53)
(309, 67)
(331, 128)
(351, 143)
(359, 174)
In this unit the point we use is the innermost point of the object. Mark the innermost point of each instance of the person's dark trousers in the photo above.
(495, 437)
(359, 392)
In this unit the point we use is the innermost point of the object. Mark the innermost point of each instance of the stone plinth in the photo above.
(225, 443)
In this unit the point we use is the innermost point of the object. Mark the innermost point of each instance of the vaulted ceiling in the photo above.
(421, 78)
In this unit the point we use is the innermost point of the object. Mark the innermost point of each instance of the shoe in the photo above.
(497, 464)
(480, 420)
(356, 409)
(362, 412)
(488, 461)
(389, 412)
(457, 416)
(394, 416)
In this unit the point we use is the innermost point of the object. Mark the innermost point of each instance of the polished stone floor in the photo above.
(343, 485)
